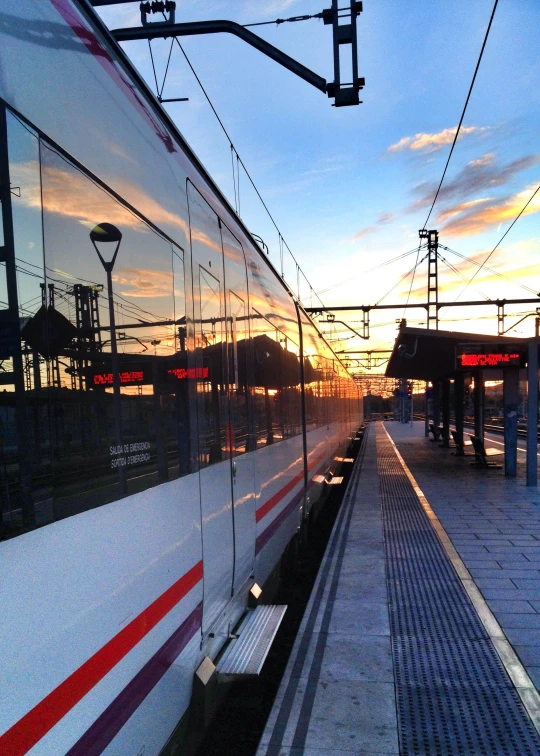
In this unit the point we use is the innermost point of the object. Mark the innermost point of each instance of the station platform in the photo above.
(422, 633)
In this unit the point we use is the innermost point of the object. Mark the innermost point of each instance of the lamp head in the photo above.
(106, 233)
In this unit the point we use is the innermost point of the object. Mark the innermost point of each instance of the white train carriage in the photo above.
(164, 431)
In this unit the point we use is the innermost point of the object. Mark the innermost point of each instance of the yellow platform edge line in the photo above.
(509, 659)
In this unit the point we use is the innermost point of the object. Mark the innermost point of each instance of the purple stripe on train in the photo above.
(110, 722)
(267, 534)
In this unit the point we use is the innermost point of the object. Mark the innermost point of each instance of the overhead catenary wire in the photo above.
(234, 181)
(153, 66)
(412, 280)
(460, 275)
(370, 270)
(489, 270)
(463, 112)
(518, 216)
(403, 278)
(166, 69)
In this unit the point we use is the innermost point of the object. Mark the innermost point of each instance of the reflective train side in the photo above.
(126, 560)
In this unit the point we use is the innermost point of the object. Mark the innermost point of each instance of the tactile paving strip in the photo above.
(453, 695)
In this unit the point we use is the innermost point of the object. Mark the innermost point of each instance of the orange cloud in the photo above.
(467, 221)
(364, 232)
(141, 282)
(484, 173)
(432, 142)
(382, 219)
(462, 207)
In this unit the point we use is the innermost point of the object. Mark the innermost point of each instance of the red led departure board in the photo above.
(471, 356)
(142, 374)
(126, 377)
(183, 373)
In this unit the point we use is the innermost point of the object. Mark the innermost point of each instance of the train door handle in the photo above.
(234, 470)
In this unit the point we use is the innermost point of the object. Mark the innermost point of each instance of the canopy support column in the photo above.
(459, 410)
(446, 413)
(510, 402)
(479, 401)
(532, 414)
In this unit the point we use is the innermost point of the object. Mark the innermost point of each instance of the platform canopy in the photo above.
(429, 355)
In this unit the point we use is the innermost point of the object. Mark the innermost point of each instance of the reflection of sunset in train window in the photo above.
(67, 335)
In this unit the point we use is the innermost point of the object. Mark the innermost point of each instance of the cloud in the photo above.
(142, 282)
(432, 142)
(477, 217)
(69, 193)
(461, 207)
(364, 232)
(382, 219)
(477, 176)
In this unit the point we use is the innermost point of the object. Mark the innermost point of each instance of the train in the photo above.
(170, 416)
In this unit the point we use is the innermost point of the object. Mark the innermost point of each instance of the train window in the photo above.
(92, 442)
(238, 374)
(23, 415)
(124, 442)
(315, 376)
(214, 432)
(239, 345)
(276, 383)
(209, 344)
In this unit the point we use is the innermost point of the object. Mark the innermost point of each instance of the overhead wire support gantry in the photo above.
(343, 93)
(366, 309)
(432, 238)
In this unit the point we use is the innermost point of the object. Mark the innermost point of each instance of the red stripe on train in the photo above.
(276, 498)
(33, 726)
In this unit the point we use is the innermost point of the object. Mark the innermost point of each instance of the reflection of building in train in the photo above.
(168, 416)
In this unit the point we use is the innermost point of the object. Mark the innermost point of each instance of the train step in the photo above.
(246, 654)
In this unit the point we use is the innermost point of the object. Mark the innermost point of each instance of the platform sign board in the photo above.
(490, 356)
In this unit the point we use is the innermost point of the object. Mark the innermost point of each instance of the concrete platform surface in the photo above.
(338, 694)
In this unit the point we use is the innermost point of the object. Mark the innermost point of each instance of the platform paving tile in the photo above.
(529, 655)
(517, 561)
(529, 621)
(530, 582)
(355, 714)
(511, 607)
(518, 594)
(500, 583)
(498, 572)
(488, 564)
(361, 617)
(523, 636)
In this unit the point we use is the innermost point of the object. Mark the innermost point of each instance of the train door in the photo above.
(210, 374)
(241, 431)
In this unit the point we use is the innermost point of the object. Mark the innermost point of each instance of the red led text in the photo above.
(182, 373)
(492, 359)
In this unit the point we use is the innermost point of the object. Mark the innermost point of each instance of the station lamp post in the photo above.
(105, 235)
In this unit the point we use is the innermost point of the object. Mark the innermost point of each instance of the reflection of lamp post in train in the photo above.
(106, 233)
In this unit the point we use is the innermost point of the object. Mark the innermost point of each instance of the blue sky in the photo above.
(350, 187)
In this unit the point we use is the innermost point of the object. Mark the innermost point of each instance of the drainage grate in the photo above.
(453, 695)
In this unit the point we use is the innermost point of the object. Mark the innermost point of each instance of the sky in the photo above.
(349, 187)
